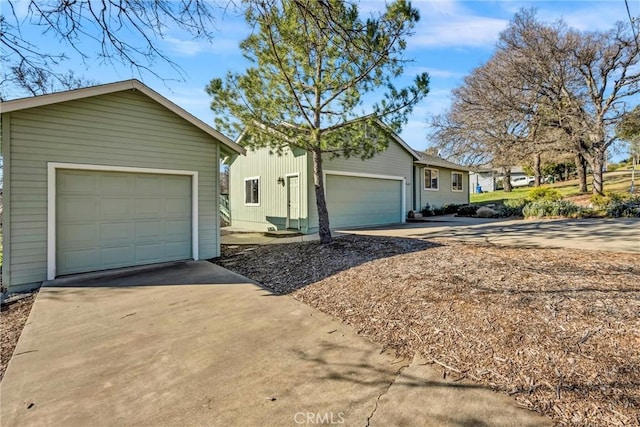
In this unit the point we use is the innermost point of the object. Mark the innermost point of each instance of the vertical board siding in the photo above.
(120, 129)
(268, 166)
(444, 195)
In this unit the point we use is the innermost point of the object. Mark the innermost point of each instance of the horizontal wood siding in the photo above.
(394, 161)
(272, 209)
(120, 129)
(444, 195)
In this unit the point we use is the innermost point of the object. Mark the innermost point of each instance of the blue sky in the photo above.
(451, 39)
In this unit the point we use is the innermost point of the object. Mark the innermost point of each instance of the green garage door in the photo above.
(354, 201)
(112, 219)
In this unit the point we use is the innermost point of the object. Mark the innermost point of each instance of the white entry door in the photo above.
(293, 202)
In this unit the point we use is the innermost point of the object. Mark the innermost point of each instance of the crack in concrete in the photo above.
(386, 390)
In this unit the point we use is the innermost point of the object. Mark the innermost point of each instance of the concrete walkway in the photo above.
(194, 344)
(612, 235)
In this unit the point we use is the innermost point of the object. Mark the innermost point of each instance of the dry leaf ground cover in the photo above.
(12, 320)
(557, 329)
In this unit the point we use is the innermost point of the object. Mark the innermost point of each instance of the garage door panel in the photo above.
(358, 201)
(148, 185)
(79, 235)
(115, 231)
(116, 255)
(78, 259)
(177, 250)
(125, 220)
(78, 183)
(148, 208)
(177, 227)
(176, 207)
(149, 230)
(76, 208)
(176, 187)
(115, 185)
(114, 207)
(149, 251)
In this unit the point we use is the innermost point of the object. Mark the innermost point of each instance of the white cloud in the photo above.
(433, 72)
(446, 23)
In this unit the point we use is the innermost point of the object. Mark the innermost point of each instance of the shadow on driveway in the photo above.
(615, 235)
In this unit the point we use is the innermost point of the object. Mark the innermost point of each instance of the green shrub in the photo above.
(512, 207)
(451, 208)
(601, 201)
(467, 210)
(558, 208)
(427, 211)
(624, 208)
(439, 211)
(544, 193)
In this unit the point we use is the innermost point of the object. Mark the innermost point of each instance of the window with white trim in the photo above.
(456, 181)
(252, 191)
(431, 179)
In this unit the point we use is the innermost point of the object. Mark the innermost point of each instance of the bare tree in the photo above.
(123, 32)
(583, 77)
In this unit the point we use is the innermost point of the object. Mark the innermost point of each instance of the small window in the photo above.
(252, 191)
(456, 181)
(430, 179)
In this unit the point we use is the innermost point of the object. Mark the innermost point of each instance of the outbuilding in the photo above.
(106, 177)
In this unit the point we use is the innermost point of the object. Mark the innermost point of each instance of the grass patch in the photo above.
(618, 181)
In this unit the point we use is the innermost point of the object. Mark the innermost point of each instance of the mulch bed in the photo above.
(14, 316)
(557, 329)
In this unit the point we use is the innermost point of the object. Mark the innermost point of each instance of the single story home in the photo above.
(488, 179)
(275, 191)
(105, 177)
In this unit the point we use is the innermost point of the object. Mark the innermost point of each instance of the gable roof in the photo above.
(429, 160)
(399, 140)
(133, 84)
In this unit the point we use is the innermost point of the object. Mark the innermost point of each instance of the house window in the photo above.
(456, 181)
(430, 179)
(252, 191)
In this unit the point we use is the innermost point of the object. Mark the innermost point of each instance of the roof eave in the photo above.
(39, 101)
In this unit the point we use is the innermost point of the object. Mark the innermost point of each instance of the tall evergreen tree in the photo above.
(312, 64)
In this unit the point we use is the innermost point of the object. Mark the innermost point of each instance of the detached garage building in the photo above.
(106, 177)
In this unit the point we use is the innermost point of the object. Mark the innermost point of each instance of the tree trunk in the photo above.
(506, 181)
(321, 202)
(581, 168)
(597, 164)
(537, 170)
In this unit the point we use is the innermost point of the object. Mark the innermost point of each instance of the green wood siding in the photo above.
(271, 210)
(120, 129)
(444, 195)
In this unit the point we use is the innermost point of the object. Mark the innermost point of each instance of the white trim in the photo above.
(286, 177)
(424, 181)
(370, 175)
(245, 191)
(52, 168)
(461, 182)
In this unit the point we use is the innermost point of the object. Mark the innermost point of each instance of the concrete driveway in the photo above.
(194, 344)
(612, 235)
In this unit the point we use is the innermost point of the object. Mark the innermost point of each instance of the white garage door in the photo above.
(357, 201)
(115, 219)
